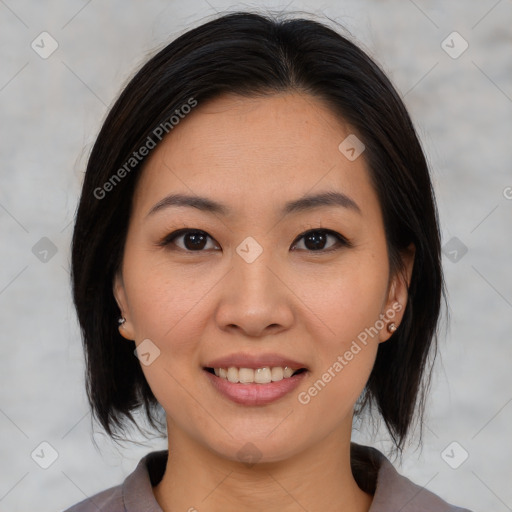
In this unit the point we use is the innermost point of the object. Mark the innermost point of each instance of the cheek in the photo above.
(349, 306)
(346, 354)
(163, 296)
(348, 299)
(165, 305)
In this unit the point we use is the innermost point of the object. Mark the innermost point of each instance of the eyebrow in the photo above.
(310, 202)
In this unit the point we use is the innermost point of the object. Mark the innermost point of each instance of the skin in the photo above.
(253, 155)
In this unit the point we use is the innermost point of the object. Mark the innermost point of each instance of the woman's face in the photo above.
(272, 279)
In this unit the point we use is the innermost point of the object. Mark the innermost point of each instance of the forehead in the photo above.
(251, 152)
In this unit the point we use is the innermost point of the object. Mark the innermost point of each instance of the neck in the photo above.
(198, 479)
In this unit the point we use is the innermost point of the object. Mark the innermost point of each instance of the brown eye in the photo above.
(192, 240)
(318, 240)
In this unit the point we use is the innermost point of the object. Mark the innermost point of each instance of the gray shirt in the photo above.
(372, 471)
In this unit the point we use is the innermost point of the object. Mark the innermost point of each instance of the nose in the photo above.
(254, 298)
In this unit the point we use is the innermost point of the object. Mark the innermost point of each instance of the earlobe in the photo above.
(124, 326)
(398, 295)
(392, 317)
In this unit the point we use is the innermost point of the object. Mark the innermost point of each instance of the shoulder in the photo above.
(394, 491)
(134, 494)
(110, 500)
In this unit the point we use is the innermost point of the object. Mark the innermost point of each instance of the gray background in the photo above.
(51, 110)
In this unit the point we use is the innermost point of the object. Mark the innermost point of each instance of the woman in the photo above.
(257, 226)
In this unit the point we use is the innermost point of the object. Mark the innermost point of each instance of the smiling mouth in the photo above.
(264, 375)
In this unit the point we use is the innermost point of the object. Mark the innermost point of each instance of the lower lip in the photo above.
(255, 394)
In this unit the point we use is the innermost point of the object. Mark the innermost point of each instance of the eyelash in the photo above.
(341, 240)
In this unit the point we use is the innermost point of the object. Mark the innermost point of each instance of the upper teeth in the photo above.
(259, 375)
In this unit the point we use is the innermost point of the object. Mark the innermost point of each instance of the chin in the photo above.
(250, 449)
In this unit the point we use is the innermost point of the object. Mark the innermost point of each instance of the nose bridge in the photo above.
(253, 297)
(251, 269)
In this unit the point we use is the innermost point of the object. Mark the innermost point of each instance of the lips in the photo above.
(252, 394)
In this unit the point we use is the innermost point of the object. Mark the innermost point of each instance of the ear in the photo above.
(398, 292)
(126, 329)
